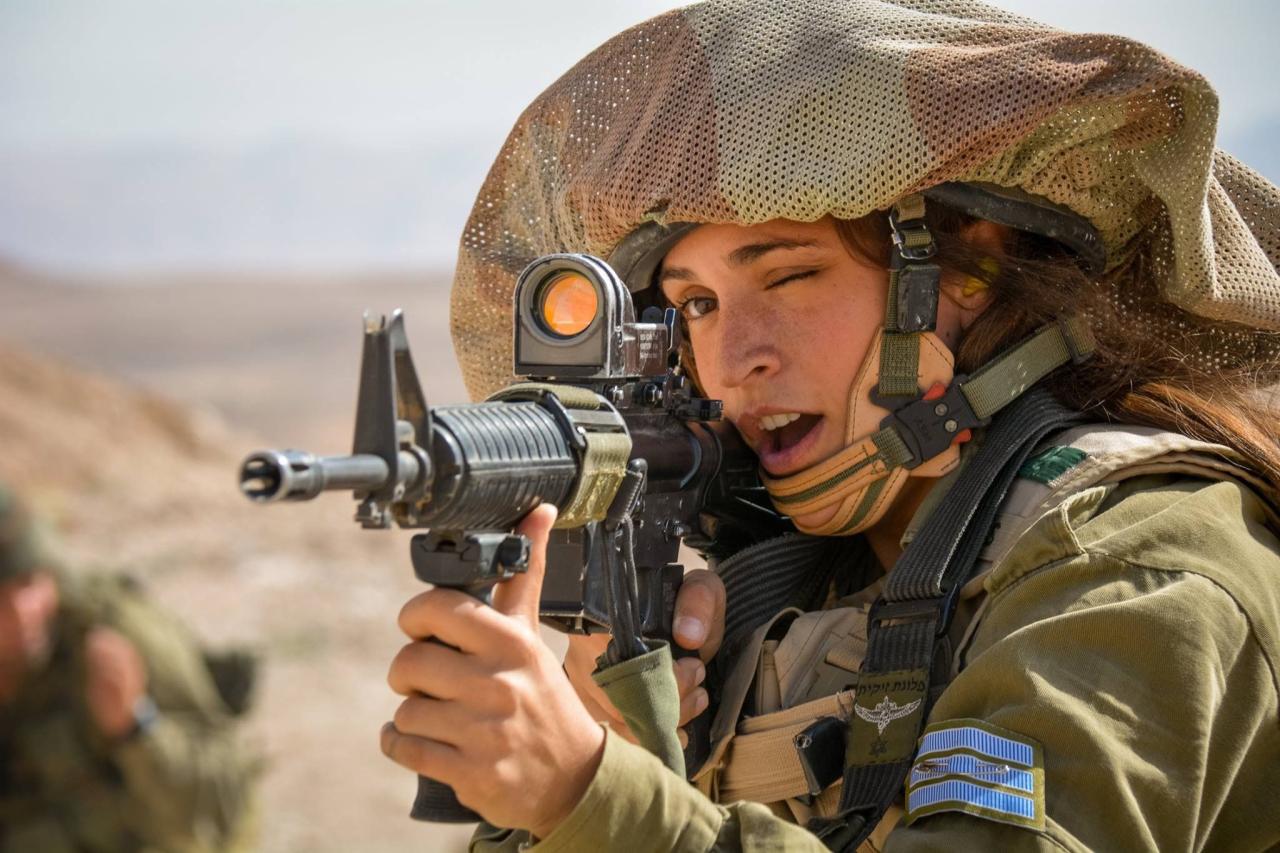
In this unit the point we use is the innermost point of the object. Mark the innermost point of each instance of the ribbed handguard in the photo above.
(509, 457)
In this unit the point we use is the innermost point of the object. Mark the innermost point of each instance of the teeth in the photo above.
(772, 422)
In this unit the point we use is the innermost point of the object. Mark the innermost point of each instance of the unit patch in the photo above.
(888, 712)
(1051, 464)
(974, 767)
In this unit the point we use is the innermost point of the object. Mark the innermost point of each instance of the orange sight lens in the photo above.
(569, 304)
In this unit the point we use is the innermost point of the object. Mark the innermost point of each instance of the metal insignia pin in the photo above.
(885, 712)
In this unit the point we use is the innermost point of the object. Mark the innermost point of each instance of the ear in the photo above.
(989, 239)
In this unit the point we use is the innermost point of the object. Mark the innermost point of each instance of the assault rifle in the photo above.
(606, 427)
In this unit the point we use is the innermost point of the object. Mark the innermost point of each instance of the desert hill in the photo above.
(124, 411)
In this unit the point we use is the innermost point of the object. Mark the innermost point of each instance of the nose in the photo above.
(748, 347)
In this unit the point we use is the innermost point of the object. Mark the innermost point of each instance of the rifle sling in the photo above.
(908, 655)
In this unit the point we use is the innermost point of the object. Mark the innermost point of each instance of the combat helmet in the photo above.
(740, 112)
(730, 112)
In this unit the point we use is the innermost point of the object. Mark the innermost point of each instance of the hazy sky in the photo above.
(237, 75)
(236, 71)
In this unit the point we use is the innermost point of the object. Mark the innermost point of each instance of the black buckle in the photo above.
(917, 291)
(938, 609)
(928, 427)
(907, 610)
(820, 748)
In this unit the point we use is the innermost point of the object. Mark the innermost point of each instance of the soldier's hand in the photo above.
(116, 678)
(699, 626)
(699, 617)
(494, 717)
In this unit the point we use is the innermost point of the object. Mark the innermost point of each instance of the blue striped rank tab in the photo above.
(973, 767)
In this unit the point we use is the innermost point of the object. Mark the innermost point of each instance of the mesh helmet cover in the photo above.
(732, 111)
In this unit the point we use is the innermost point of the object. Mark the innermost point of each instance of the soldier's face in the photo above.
(780, 316)
(27, 608)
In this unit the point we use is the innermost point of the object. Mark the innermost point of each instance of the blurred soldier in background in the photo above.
(116, 728)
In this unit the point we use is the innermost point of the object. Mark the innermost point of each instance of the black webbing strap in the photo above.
(907, 652)
(792, 570)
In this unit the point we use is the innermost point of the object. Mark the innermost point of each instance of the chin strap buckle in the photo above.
(927, 424)
(931, 423)
(910, 234)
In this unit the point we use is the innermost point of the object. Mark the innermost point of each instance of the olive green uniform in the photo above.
(180, 782)
(1133, 634)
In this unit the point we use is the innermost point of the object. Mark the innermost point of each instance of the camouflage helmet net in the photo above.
(743, 112)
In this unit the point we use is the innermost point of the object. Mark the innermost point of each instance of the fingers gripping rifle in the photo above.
(607, 428)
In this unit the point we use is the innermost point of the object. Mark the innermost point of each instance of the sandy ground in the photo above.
(124, 410)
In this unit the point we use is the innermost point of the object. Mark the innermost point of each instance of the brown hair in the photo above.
(1155, 365)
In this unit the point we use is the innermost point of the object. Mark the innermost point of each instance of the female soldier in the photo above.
(994, 314)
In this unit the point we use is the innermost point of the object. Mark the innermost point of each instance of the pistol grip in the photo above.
(436, 803)
(698, 748)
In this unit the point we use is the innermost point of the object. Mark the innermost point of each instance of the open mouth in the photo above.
(783, 447)
(788, 436)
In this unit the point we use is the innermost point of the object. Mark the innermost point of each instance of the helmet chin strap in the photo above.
(907, 411)
(851, 490)
(906, 363)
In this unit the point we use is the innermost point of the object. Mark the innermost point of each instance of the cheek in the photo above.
(833, 337)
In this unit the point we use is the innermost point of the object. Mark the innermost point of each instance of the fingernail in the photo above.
(701, 701)
(691, 628)
(700, 674)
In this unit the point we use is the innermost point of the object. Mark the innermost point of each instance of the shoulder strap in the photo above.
(907, 653)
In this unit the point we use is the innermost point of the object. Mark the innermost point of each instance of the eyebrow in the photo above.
(742, 256)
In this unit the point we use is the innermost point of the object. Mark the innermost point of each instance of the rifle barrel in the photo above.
(295, 475)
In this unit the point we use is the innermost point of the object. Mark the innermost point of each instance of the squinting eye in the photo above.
(796, 277)
(697, 306)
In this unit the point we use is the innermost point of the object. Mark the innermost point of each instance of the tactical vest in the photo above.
(800, 667)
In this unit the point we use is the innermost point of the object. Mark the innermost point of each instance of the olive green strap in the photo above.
(920, 429)
(910, 207)
(606, 445)
(911, 306)
(603, 467)
(1001, 380)
(899, 364)
(572, 396)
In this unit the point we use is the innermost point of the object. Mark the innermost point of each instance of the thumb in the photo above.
(699, 614)
(519, 596)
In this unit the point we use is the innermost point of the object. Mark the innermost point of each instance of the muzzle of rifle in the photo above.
(488, 465)
(295, 475)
